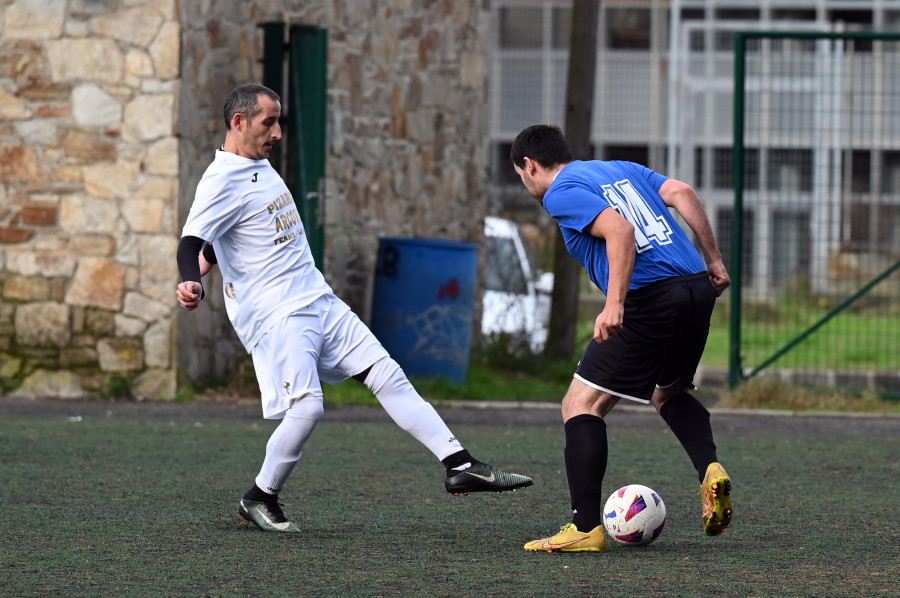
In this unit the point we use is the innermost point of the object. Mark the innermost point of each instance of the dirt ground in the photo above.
(467, 413)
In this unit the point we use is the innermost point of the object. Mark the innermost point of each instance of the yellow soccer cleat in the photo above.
(715, 491)
(569, 539)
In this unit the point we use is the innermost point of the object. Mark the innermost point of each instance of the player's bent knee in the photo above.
(311, 408)
(385, 375)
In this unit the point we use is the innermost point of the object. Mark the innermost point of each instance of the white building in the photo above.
(822, 136)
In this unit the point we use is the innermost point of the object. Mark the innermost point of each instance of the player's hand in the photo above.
(718, 276)
(188, 294)
(609, 323)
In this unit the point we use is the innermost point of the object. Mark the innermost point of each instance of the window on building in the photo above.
(722, 172)
(874, 227)
(723, 40)
(791, 246)
(793, 14)
(797, 44)
(630, 153)
(628, 28)
(860, 165)
(892, 23)
(562, 27)
(699, 152)
(888, 228)
(789, 170)
(502, 170)
(696, 37)
(693, 14)
(521, 27)
(854, 20)
(890, 172)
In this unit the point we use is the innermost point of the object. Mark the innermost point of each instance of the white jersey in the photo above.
(244, 209)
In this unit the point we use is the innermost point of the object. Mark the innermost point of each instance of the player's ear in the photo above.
(237, 121)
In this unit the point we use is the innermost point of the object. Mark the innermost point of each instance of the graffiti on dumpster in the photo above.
(437, 333)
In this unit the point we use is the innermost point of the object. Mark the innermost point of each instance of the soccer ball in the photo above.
(634, 515)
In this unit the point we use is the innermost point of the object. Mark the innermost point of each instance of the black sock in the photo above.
(586, 454)
(258, 495)
(689, 421)
(458, 458)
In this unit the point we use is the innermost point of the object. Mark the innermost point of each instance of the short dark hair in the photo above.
(545, 144)
(244, 99)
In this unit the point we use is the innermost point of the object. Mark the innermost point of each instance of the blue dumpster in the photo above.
(423, 304)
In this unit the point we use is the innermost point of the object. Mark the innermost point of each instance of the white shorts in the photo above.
(322, 342)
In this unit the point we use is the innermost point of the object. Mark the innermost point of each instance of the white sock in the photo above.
(409, 410)
(286, 443)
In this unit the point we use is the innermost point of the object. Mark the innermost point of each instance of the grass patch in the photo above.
(147, 507)
(768, 393)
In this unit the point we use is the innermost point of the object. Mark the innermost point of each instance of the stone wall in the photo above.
(110, 110)
(407, 131)
(88, 185)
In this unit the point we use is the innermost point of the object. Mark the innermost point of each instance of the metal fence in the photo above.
(815, 255)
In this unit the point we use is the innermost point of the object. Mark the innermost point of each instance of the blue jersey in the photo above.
(584, 189)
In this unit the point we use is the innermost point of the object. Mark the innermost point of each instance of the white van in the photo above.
(516, 300)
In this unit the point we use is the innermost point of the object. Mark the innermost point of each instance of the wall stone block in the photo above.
(146, 308)
(39, 89)
(57, 384)
(97, 245)
(158, 344)
(9, 366)
(77, 357)
(43, 324)
(162, 157)
(11, 235)
(20, 164)
(26, 288)
(128, 326)
(120, 354)
(98, 322)
(22, 60)
(89, 214)
(138, 26)
(97, 60)
(34, 20)
(40, 263)
(144, 215)
(93, 107)
(165, 51)
(97, 282)
(138, 63)
(148, 118)
(84, 146)
(39, 215)
(155, 384)
(12, 107)
(116, 180)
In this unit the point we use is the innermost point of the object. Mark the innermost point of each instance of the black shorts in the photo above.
(663, 336)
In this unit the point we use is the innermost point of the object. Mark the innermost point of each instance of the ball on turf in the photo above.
(634, 515)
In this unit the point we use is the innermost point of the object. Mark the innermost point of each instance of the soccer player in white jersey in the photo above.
(285, 314)
(648, 339)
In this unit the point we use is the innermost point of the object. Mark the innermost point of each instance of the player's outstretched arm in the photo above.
(682, 197)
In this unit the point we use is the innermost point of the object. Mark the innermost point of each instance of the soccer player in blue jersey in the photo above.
(615, 220)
